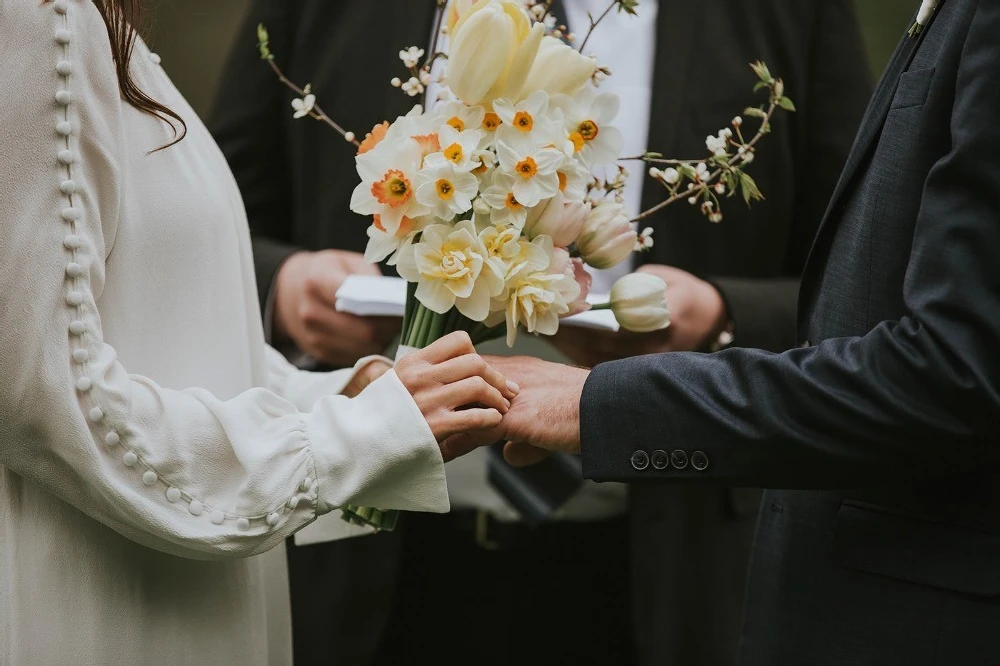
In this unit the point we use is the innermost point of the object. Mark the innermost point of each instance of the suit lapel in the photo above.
(867, 139)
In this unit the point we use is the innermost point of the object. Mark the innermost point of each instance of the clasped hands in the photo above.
(467, 400)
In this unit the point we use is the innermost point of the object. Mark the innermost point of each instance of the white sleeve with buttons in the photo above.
(181, 471)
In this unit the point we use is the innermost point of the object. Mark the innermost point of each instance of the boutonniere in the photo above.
(927, 8)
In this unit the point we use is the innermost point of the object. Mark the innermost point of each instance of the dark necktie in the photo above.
(538, 491)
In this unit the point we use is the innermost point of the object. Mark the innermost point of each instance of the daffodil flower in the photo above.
(446, 191)
(535, 172)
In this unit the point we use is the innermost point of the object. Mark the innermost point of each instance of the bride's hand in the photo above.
(455, 389)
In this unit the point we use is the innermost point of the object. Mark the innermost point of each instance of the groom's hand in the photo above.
(545, 415)
(305, 309)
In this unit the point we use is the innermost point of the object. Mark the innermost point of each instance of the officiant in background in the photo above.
(382, 599)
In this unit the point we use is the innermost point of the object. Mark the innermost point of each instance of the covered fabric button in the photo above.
(60, 6)
(66, 156)
(64, 97)
(292, 503)
(81, 355)
(660, 459)
(96, 414)
(306, 484)
(154, 58)
(218, 517)
(243, 524)
(173, 495)
(63, 36)
(64, 67)
(679, 458)
(75, 298)
(67, 187)
(196, 508)
(640, 460)
(149, 478)
(77, 327)
(273, 518)
(130, 459)
(74, 269)
(72, 242)
(112, 439)
(71, 214)
(65, 128)
(84, 384)
(699, 460)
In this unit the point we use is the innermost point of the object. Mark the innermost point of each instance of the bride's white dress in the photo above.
(130, 502)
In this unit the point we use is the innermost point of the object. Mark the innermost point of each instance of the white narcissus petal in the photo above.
(605, 106)
(362, 201)
(435, 295)
(477, 306)
(549, 160)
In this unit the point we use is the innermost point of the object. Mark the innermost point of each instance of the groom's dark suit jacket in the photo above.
(690, 548)
(887, 420)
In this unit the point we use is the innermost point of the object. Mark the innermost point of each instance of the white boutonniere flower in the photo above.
(927, 8)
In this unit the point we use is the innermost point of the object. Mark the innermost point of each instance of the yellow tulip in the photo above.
(492, 43)
(557, 68)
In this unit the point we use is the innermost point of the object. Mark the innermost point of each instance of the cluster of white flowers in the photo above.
(483, 200)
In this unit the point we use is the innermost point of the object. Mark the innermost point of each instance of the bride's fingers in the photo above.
(472, 391)
(454, 344)
(473, 365)
(466, 422)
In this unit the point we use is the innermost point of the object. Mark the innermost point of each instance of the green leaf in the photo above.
(628, 6)
(749, 188)
(760, 85)
(754, 112)
(786, 104)
(762, 72)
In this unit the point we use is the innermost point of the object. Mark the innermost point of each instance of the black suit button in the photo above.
(640, 460)
(699, 460)
(679, 459)
(661, 459)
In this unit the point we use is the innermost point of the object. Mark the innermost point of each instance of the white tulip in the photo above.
(562, 220)
(639, 301)
(608, 236)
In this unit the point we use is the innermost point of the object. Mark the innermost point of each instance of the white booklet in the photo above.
(380, 296)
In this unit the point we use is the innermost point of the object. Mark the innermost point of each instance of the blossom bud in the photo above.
(671, 176)
(558, 218)
(607, 237)
(639, 301)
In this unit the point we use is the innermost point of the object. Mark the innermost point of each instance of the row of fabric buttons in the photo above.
(76, 276)
(677, 459)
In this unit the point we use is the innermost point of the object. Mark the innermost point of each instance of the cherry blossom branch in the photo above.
(627, 6)
(728, 177)
(314, 110)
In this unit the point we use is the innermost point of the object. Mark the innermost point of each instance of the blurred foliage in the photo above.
(884, 23)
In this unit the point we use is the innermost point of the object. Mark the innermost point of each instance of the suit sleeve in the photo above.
(247, 122)
(914, 397)
(839, 86)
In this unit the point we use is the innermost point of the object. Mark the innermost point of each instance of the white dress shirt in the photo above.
(626, 44)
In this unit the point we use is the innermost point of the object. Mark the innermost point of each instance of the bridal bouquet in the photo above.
(487, 202)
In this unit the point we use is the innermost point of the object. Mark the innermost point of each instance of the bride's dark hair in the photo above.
(123, 18)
